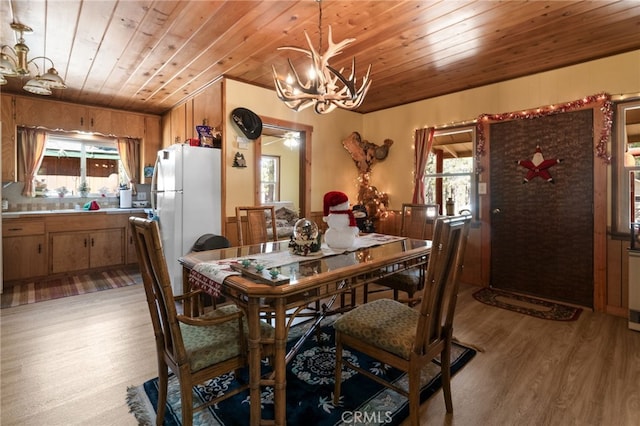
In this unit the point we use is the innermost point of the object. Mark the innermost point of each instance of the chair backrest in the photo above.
(255, 230)
(157, 286)
(418, 220)
(441, 281)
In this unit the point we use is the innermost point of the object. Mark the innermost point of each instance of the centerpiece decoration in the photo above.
(305, 238)
(343, 230)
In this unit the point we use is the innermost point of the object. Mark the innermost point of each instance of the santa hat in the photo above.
(335, 200)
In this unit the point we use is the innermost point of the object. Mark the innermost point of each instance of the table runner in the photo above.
(209, 276)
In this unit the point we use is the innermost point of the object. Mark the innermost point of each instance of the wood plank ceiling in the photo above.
(148, 56)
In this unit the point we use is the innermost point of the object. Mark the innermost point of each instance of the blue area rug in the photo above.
(309, 390)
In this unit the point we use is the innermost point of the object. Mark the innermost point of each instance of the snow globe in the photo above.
(305, 239)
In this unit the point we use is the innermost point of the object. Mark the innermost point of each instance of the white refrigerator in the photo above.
(187, 191)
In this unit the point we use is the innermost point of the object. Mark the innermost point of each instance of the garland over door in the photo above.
(542, 232)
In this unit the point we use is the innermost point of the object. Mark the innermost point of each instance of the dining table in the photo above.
(269, 281)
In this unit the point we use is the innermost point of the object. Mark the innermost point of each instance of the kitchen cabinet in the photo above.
(68, 116)
(178, 117)
(62, 115)
(8, 131)
(74, 251)
(132, 256)
(24, 249)
(207, 107)
(127, 124)
(53, 115)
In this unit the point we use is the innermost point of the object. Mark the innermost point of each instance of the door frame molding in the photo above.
(305, 162)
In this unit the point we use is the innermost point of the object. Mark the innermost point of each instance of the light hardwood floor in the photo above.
(69, 362)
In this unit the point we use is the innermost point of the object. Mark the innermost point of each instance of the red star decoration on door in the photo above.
(538, 166)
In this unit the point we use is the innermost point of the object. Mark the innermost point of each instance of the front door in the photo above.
(542, 213)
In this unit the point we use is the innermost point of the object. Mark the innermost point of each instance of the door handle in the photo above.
(496, 211)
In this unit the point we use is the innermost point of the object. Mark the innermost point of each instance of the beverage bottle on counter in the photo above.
(450, 207)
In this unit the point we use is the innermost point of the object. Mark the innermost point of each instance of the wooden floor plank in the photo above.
(69, 362)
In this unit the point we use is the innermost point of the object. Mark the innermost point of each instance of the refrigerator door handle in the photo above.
(154, 184)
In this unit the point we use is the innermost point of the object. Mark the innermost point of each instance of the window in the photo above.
(449, 177)
(269, 179)
(627, 166)
(71, 160)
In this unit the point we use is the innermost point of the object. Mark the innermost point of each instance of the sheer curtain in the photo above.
(32, 143)
(423, 143)
(129, 151)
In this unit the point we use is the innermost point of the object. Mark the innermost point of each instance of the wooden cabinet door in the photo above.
(132, 256)
(69, 251)
(207, 107)
(99, 120)
(127, 124)
(70, 117)
(106, 248)
(178, 124)
(7, 118)
(24, 257)
(35, 112)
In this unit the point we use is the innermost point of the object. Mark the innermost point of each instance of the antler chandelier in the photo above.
(324, 87)
(18, 66)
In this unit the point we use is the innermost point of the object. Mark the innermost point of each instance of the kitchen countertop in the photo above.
(115, 210)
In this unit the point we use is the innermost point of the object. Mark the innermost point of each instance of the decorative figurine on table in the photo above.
(343, 230)
(305, 239)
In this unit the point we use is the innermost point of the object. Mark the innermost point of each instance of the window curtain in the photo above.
(32, 142)
(128, 149)
(423, 141)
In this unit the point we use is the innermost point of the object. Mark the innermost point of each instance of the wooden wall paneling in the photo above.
(614, 272)
(599, 216)
(189, 127)
(472, 272)
(152, 143)
(165, 124)
(7, 117)
(617, 277)
(391, 224)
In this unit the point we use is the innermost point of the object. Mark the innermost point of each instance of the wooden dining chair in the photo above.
(253, 219)
(194, 349)
(417, 222)
(407, 338)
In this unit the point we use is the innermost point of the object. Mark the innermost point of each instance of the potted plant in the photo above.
(84, 188)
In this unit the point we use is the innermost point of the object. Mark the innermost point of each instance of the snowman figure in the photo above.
(342, 230)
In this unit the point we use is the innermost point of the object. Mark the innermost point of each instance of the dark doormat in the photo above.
(527, 305)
